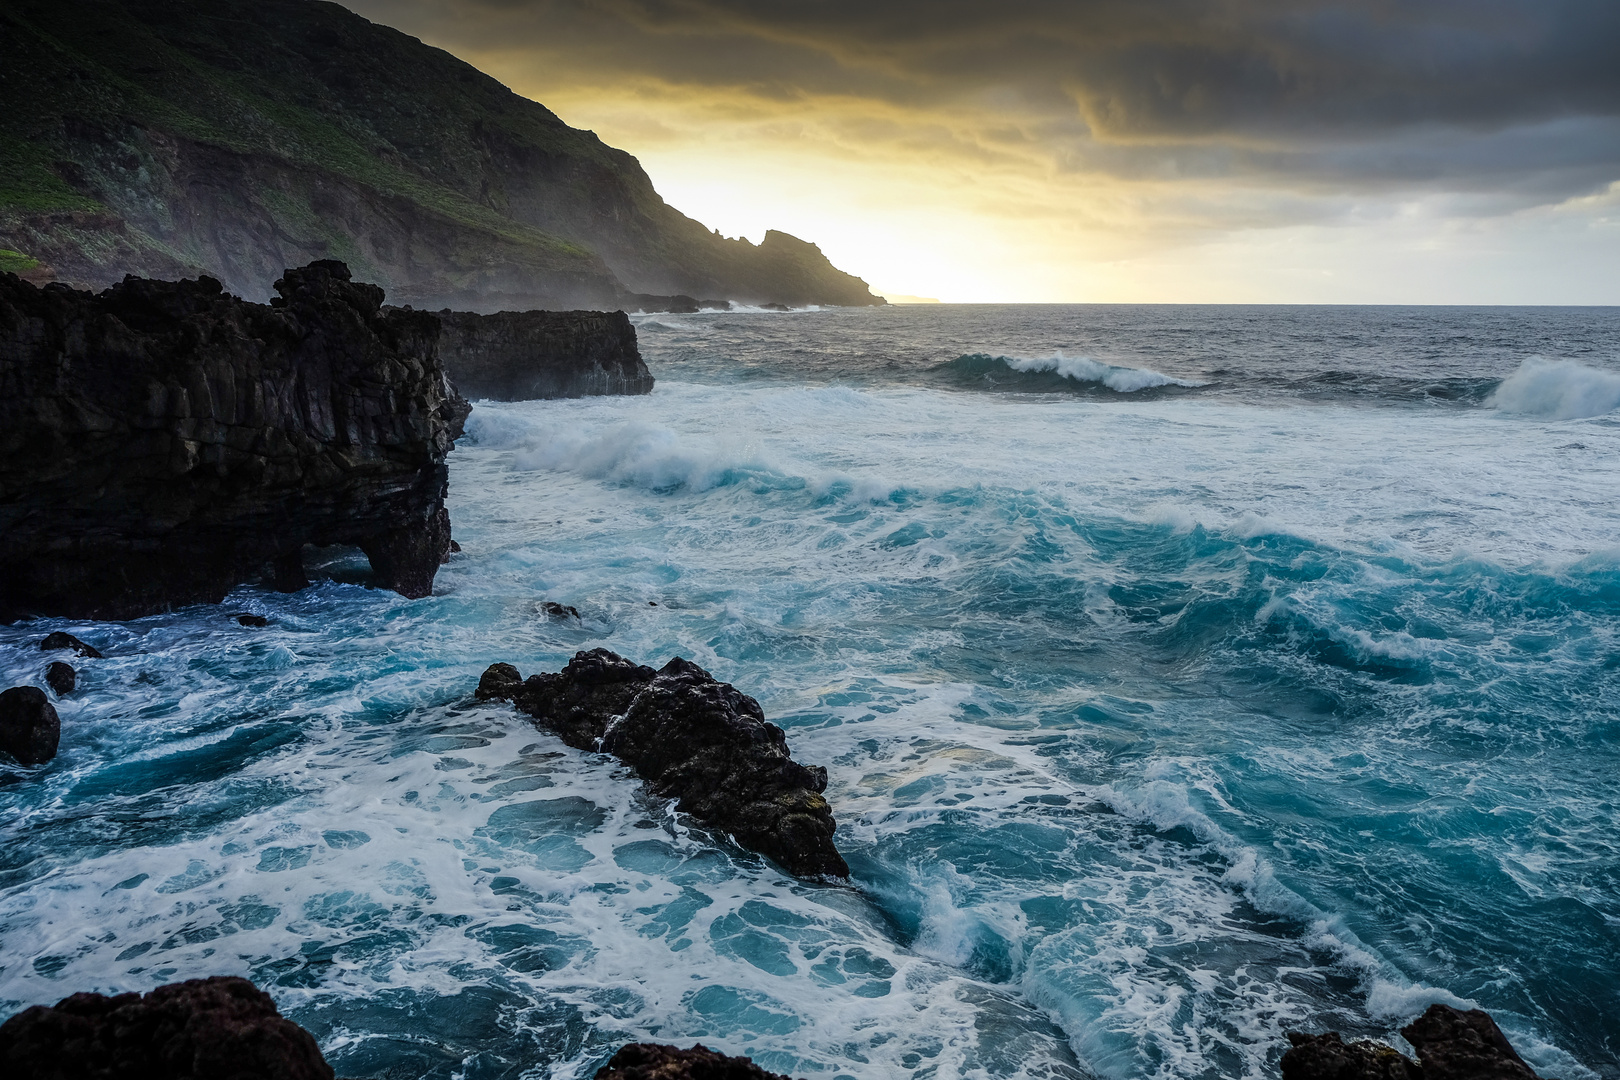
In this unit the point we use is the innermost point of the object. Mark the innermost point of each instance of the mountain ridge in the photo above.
(176, 137)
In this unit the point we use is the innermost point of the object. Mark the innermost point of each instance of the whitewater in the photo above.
(1184, 676)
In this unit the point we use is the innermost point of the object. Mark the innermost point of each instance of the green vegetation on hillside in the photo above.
(239, 135)
(15, 262)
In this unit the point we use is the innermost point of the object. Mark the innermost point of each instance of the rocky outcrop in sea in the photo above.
(1450, 1044)
(523, 355)
(163, 441)
(695, 739)
(202, 1029)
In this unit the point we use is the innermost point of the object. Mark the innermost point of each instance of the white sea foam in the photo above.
(1558, 390)
(838, 553)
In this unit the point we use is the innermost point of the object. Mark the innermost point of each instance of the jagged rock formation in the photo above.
(1451, 1045)
(202, 1029)
(29, 728)
(163, 441)
(701, 741)
(523, 355)
(652, 1061)
(236, 137)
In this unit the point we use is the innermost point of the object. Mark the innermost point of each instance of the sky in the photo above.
(1260, 151)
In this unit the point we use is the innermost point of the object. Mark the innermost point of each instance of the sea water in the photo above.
(1184, 676)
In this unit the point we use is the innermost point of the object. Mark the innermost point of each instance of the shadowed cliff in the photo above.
(171, 137)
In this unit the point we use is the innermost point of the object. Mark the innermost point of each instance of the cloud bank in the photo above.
(1084, 143)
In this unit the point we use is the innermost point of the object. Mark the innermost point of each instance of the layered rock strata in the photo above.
(523, 355)
(1450, 1044)
(163, 441)
(692, 738)
(203, 1029)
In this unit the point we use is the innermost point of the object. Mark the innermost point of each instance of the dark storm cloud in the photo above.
(1521, 95)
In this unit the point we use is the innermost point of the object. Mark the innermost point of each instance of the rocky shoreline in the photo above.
(163, 441)
(529, 355)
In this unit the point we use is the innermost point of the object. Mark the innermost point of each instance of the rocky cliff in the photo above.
(522, 355)
(236, 137)
(162, 441)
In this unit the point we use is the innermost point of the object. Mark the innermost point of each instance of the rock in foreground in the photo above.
(651, 1061)
(692, 738)
(524, 355)
(163, 441)
(1451, 1045)
(204, 1029)
(29, 727)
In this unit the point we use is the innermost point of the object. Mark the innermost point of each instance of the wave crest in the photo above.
(1557, 390)
(1051, 372)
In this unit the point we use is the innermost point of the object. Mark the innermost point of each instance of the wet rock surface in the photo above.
(692, 738)
(524, 355)
(203, 1028)
(162, 441)
(29, 727)
(651, 1061)
(1450, 1044)
(61, 678)
(59, 641)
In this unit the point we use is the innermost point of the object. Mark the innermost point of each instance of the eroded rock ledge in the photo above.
(1451, 1045)
(691, 737)
(202, 1029)
(162, 441)
(524, 355)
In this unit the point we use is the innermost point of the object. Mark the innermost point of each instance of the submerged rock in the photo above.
(1451, 1045)
(250, 619)
(202, 1029)
(693, 738)
(61, 678)
(652, 1061)
(58, 641)
(523, 355)
(559, 611)
(163, 441)
(29, 727)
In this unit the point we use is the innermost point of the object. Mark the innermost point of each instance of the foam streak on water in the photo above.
(1156, 726)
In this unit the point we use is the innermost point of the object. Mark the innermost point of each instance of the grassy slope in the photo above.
(318, 89)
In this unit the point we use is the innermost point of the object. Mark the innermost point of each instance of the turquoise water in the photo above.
(1183, 676)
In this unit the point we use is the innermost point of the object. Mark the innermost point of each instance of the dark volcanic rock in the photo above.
(29, 728)
(203, 1029)
(61, 678)
(559, 611)
(1455, 1045)
(1451, 1045)
(522, 355)
(693, 738)
(163, 441)
(1327, 1057)
(59, 640)
(651, 1061)
(250, 619)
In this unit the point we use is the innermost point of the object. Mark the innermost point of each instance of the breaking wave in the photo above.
(1058, 372)
(1558, 390)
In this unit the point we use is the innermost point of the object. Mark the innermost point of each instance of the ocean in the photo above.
(1184, 676)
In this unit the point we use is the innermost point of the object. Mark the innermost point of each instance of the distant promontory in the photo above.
(171, 138)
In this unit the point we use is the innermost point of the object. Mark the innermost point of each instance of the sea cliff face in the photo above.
(522, 355)
(237, 137)
(162, 441)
